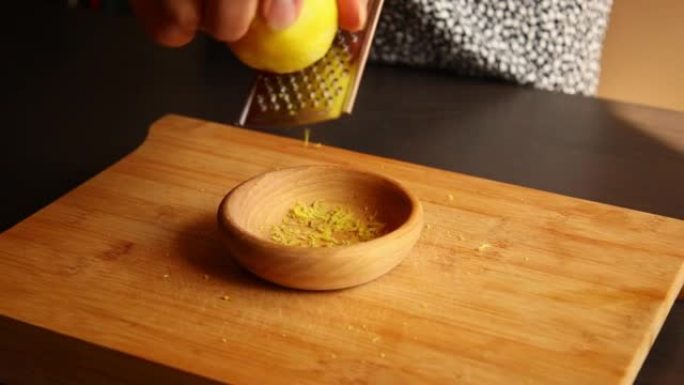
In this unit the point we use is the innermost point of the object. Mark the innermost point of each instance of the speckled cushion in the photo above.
(548, 44)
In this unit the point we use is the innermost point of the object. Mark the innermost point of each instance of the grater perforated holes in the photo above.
(316, 93)
(262, 103)
(312, 88)
(267, 84)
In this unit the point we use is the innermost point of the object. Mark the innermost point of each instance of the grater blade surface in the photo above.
(323, 91)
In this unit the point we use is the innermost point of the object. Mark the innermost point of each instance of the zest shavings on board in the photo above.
(321, 225)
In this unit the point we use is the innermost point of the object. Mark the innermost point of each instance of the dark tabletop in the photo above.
(80, 89)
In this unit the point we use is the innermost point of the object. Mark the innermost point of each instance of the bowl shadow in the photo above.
(199, 244)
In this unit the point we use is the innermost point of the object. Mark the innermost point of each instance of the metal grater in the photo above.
(323, 91)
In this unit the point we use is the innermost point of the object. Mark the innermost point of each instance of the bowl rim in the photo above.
(227, 224)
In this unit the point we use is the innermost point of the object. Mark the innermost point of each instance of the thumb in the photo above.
(352, 14)
(280, 14)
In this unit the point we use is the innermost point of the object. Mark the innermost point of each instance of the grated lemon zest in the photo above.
(321, 225)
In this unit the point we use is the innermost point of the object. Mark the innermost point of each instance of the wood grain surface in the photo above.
(506, 285)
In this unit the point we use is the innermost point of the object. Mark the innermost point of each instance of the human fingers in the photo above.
(280, 14)
(228, 20)
(352, 14)
(171, 23)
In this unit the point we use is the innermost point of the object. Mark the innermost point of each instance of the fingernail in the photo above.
(280, 14)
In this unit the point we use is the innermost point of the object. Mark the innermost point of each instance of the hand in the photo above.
(175, 22)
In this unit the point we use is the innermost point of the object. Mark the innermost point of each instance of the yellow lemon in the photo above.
(293, 48)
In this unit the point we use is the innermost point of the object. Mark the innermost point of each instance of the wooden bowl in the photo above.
(256, 205)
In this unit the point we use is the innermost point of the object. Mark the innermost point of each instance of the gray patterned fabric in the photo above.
(547, 44)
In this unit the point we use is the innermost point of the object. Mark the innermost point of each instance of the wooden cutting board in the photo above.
(507, 285)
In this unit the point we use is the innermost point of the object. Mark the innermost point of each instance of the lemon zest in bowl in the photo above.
(321, 225)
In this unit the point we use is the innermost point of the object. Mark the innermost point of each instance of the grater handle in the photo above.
(374, 8)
